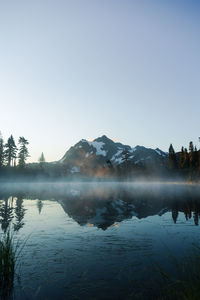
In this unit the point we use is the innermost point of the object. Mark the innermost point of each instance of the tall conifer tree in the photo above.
(182, 158)
(1, 151)
(191, 154)
(23, 151)
(10, 151)
(196, 158)
(41, 160)
(172, 158)
(186, 159)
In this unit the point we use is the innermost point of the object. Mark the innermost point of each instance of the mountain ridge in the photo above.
(103, 151)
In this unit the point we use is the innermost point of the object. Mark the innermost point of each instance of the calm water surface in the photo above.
(98, 240)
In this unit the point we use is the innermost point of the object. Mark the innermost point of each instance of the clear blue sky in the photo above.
(80, 69)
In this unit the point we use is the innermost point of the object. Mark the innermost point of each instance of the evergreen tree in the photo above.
(10, 151)
(186, 159)
(191, 161)
(196, 158)
(172, 158)
(1, 151)
(125, 158)
(191, 154)
(23, 151)
(41, 160)
(125, 155)
(109, 164)
(182, 158)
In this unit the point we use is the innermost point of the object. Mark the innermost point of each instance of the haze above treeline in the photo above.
(78, 163)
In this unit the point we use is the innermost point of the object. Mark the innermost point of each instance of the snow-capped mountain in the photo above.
(103, 151)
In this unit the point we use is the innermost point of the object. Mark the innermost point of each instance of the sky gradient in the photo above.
(80, 69)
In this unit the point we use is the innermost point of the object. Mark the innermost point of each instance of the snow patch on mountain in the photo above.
(116, 158)
(98, 146)
(159, 152)
(88, 154)
(133, 150)
(131, 157)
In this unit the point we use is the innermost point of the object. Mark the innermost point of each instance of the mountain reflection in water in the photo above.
(101, 205)
(98, 240)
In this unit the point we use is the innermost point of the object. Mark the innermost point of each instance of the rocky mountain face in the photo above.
(103, 152)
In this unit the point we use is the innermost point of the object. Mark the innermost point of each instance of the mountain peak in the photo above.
(93, 154)
(103, 139)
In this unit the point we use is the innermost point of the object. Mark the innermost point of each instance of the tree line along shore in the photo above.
(13, 163)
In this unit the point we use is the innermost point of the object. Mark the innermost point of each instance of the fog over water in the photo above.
(63, 186)
(142, 198)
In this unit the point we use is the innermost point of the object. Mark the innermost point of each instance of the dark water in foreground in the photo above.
(98, 241)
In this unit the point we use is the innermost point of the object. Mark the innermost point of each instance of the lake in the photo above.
(98, 240)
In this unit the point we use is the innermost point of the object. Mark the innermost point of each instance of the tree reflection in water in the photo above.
(19, 213)
(104, 205)
(12, 210)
